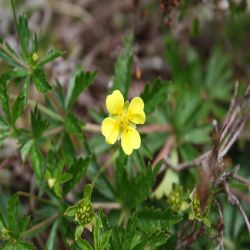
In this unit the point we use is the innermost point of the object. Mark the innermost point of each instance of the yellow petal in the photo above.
(110, 129)
(135, 111)
(130, 140)
(115, 103)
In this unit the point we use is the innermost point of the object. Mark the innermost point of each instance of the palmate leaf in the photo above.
(101, 232)
(132, 238)
(132, 190)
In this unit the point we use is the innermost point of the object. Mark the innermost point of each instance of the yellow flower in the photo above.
(121, 123)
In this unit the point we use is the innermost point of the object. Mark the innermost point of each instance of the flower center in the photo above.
(123, 120)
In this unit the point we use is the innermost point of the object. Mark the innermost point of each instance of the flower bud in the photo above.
(84, 213)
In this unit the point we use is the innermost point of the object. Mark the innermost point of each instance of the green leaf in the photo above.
(237, 7)
(78, 232)
(80, 81)
(20, 102)
(24, 33)
(152, 220)
(12, 212)
(153, 241)
(4, 98)
(3, 124)
(87, 192)
(51, 243)
(198, 135)
(67, 151)
(64, 178)
(83, 244)
(123, 67)
(37, 161)
(52, 55)
(23, 223)
(5, 54)
(26, 149)
(71, 211)
(38, 124)
(73, 125)
(101, 234)
(78, 171)
(128, 238)
(40, 80)
(132, 190)
(154, 94)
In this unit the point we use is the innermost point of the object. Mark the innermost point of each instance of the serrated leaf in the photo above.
(67, 151)
(12, 212)
(153, 241)
(78, 171)
(123, 67)
(101, 233)
(73, 125)
(23, 223)
(4, 97)
(52, 55)
(51, 243)
(154, 94)
(152, 220)
(40, 80)
(132, 190)
(37, 161)
(24, 33)
(20, 102)
(80, 81)
(38, 124)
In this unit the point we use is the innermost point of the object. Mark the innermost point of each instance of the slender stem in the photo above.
(105, 166)
(41, 224)
(106, 205)
(42, 108)
(21, 193)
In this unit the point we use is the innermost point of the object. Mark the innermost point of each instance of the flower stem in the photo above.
(21, 193)
(41, 224)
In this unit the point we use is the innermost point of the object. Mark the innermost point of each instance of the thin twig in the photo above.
(220, 226)
(235, 202)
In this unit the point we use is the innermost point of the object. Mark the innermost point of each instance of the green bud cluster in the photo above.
(176, 198)
(5, 234)
(84, 213)
(196, 208)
